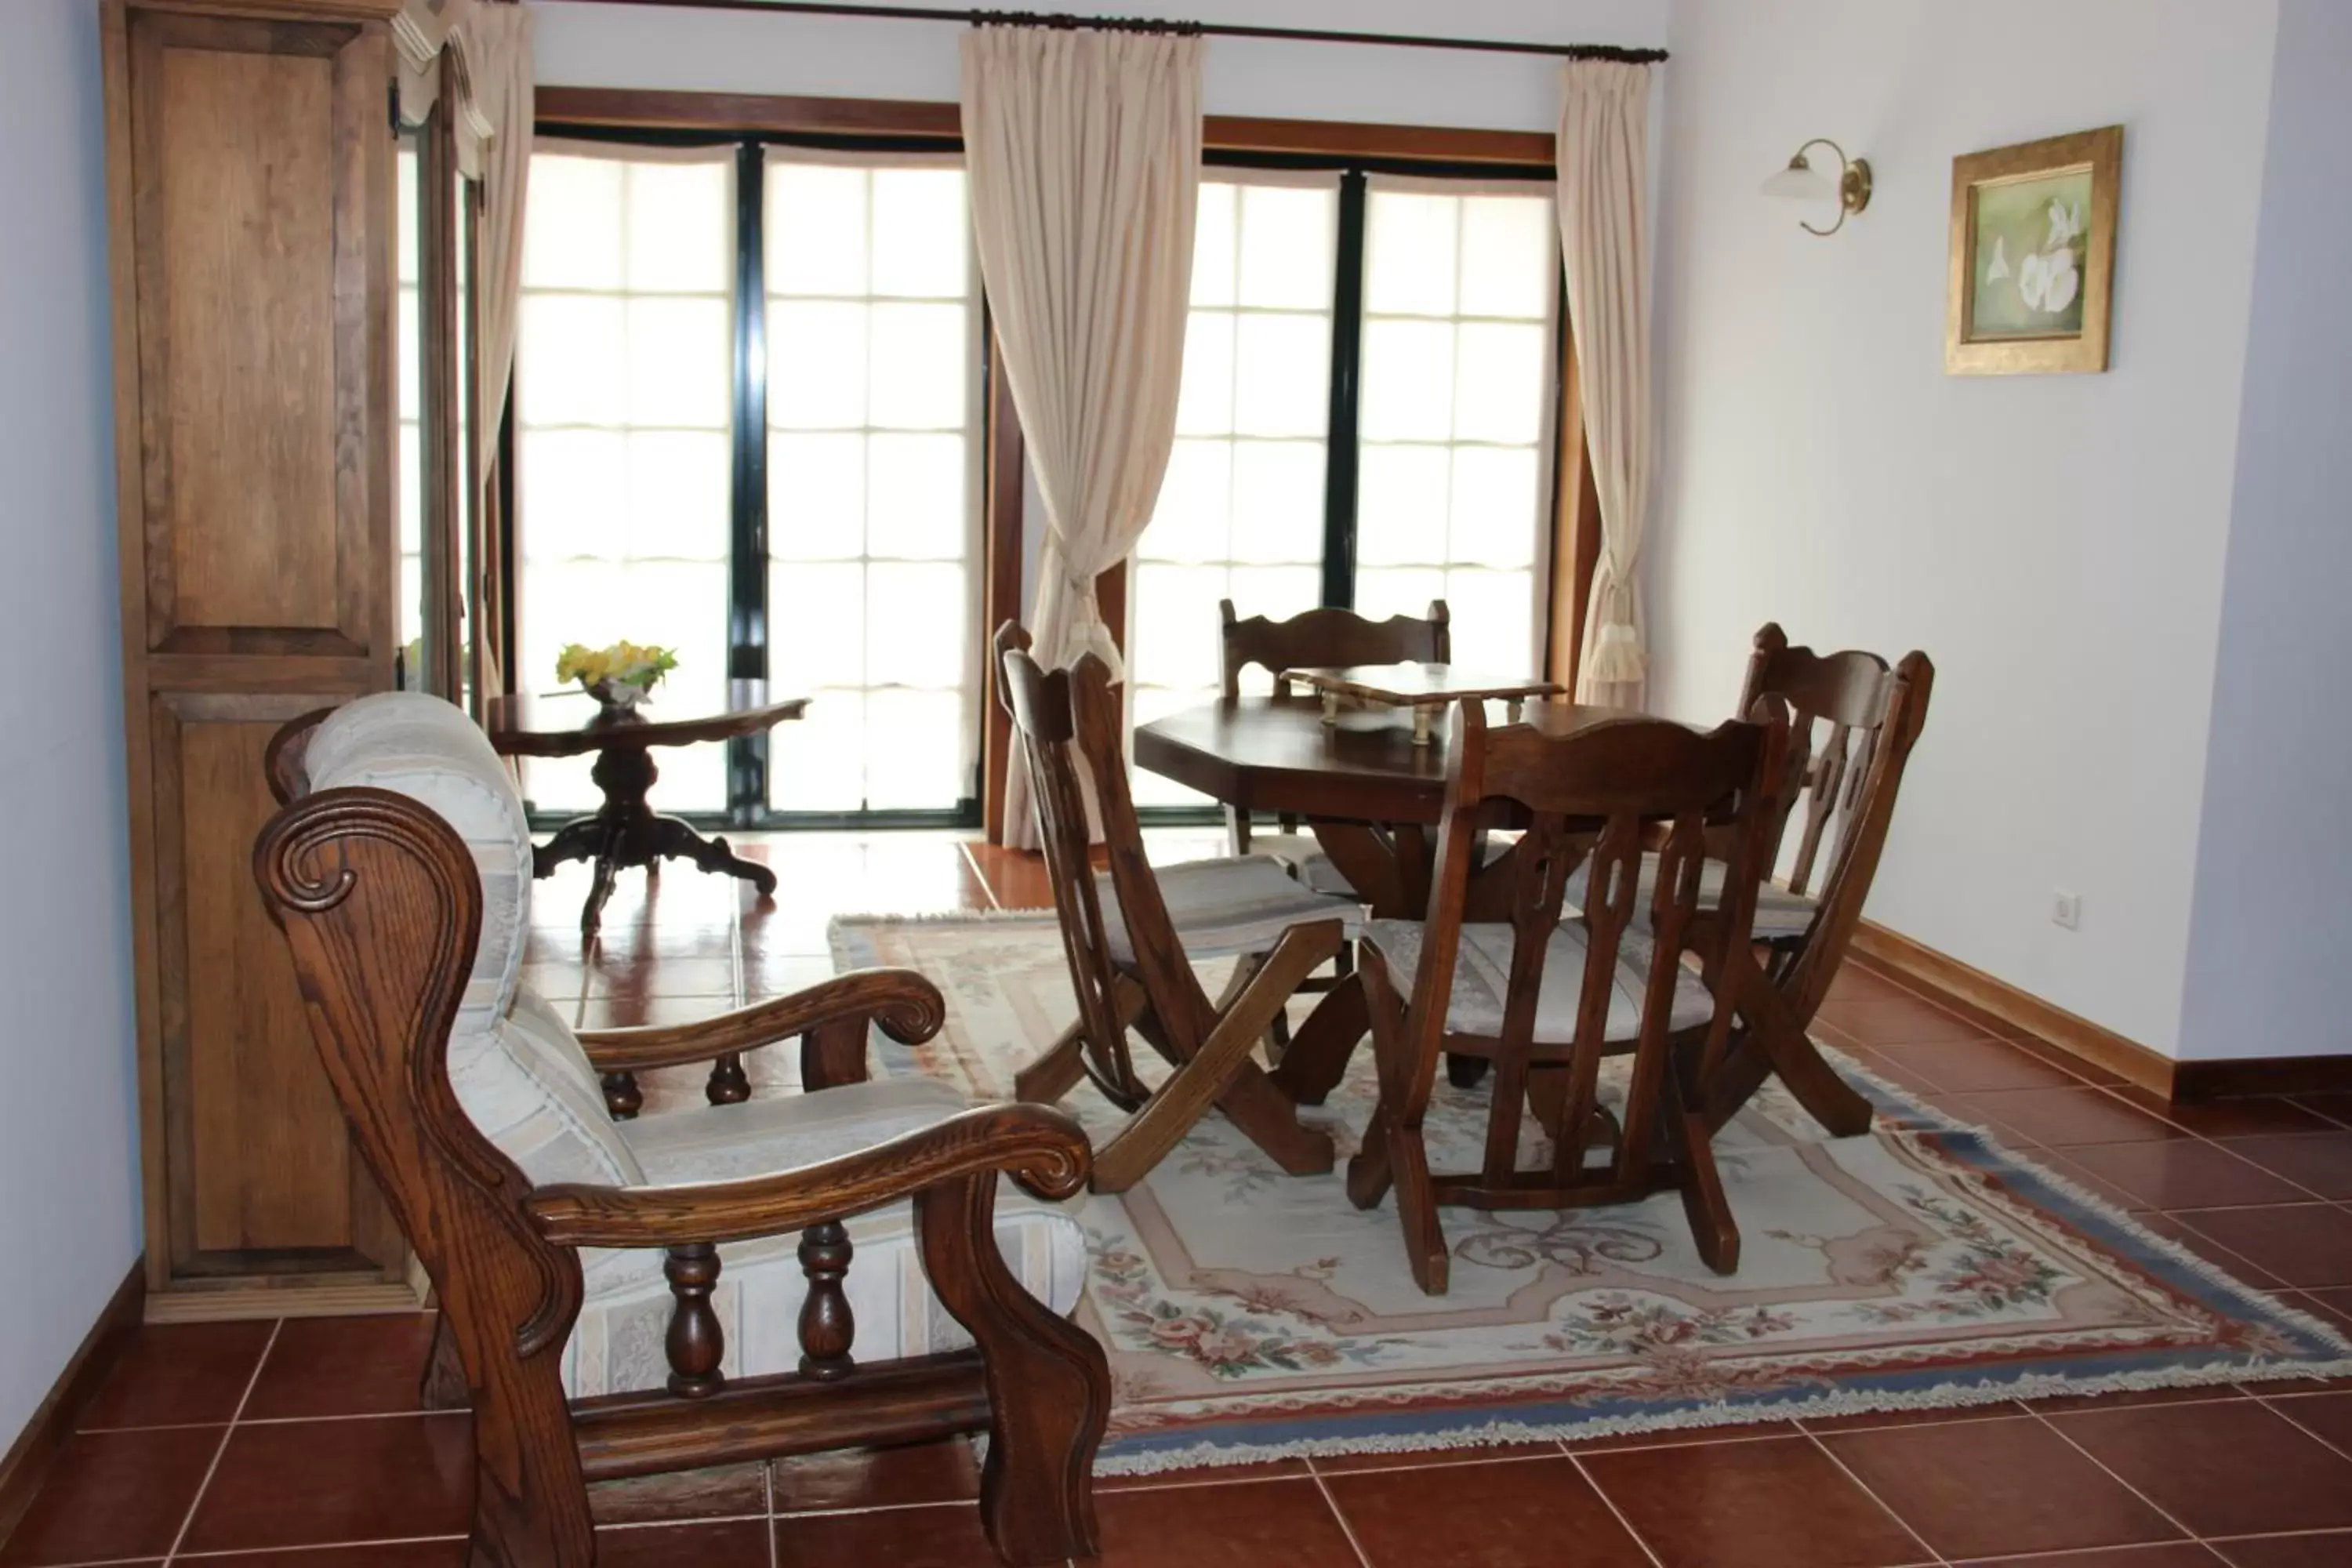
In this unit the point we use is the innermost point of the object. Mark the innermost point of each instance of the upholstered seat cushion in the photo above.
(1481, 972)
(617, 1344)
(1301, 859)
(1221, 908)
(1779, 912)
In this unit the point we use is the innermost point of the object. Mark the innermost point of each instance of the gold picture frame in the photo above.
(2045, 308)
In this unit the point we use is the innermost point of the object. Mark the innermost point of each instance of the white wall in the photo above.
(2274, 860)
(2055, 543)
(70, 1223)
(720, 51)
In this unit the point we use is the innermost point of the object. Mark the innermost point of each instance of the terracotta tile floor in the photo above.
(298, 1445)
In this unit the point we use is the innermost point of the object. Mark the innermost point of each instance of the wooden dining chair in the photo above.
(1318, 637)
(1854, 723)
(1130, 935)
(1540, 995)
(619, 1299)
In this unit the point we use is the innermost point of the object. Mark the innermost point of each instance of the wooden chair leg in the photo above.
(1061, 1065)
(1775, 1033)
(1318, 1054)
(1689, 1141)
(1369, 1178)
(1416, 1201)
(1048, 1382)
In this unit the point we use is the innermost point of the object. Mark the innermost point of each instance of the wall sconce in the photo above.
(1802, 181)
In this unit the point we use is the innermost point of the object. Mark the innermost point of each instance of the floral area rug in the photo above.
(1249, 1315)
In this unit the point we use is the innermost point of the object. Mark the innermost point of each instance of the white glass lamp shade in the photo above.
(1800, 182)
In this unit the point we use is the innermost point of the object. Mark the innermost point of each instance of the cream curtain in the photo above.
(1084, 151)
(1605, 120)
(496, 44)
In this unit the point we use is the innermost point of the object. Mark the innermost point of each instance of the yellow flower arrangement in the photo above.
(622, 673)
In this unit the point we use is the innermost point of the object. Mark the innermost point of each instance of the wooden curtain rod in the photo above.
(1140, 24)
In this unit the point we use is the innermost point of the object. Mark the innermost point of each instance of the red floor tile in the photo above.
(2330, 1550)
(725, 1491)
(2319, 1162)
(385, 1478)
(2330, 1306)
(2306, 1245)
(1523, 1513)
(114, 1495)
(1270, 1470)
(2171, 1555)
(373, 1554)
(1969, 1065)
(2183, 1174)
(1974, 1488)
(1242, 1524)
(2249, 1117)
(177, 1373)
(2220, 1469)
(343, 1366)
(1881, 1021)
(742, 1544)
(1772, 1504)
(943, 1537)
(2327, 1416)
(2064, 1117)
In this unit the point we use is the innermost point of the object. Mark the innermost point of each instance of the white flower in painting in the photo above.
(1999, 268)
(2033, 279)
(2064, 224)
(2063, 283)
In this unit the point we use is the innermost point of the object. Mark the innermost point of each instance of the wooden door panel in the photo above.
(260, 198)
(261, 1162)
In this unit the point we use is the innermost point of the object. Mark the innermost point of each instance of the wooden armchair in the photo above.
(1546, 999)
(1130, 957)
(1317, 638)
(614, 1295)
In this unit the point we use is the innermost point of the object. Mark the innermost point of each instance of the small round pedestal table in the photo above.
(626, 831)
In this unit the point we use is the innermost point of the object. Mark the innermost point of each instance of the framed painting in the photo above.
(2033, 255)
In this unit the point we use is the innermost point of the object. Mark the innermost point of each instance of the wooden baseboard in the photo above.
(2215, 1079)
(26, 1463)
(1999, 1004)
(252, 1297)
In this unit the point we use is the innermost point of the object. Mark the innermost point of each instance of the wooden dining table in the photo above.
(1368, 793)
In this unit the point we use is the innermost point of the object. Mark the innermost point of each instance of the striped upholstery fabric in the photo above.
(1302, 859)
(1779, 913)
(513, 1061)
(1482, 973)
(616, 1345)
(1221, 908)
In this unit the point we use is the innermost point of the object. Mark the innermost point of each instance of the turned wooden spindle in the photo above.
(728, 1084)
(623, 1098)
(827, 1326)
(696, 1342)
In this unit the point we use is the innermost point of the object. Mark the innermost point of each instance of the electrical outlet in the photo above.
(2066, 910)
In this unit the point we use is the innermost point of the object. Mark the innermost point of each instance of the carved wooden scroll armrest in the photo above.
(908, 1006)
(1038, 1146)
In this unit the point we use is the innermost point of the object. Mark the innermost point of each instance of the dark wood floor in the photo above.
(298, 1445)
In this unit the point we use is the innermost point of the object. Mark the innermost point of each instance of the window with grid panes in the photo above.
(623, 416)
(1441, 483)
(1454, 423)
(871, 330)
(1239, 515)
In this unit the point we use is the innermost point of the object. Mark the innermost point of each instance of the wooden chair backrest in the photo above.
(1596, 793)
(1069, 726)
(380, 904)
(1329, 637)
(1853, 722)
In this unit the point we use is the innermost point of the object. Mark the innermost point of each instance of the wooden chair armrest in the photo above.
(1039, 1147)
(908, 1006)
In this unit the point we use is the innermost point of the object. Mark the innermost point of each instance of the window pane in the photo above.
(918, 486)
(1285, 248)
(681, 235)
(1508, 244)
(1176, 623)
(870, 362)
(1411, 244)
(1282, 375)
(817, 497)
(816, 229)
(1404, 591)
(1279, 502)
(1493, 619)
(918, 367)
(1400, 505)
(625, 376)
(922, 238)
(1204, 398)
(1494, 506)
(1408, 381)
(1190, 522)
(1215, 244)
(816, 364)
(1500, 370)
